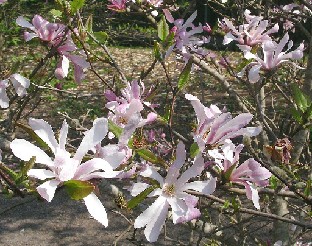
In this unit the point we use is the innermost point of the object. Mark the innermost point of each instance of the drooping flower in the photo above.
(58, 36)
(273, 56)
(172, 193)
(214, 126)
(64, 167)
(250, 173)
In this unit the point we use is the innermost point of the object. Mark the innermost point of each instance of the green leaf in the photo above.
(101, 36)
(56, 13)
(151, 157)
(114, 128)
(25, 168)
(162, 28)
(78, 189)
(185, 75)
(296, 114)
(300, 98)
(307, 190)
(194, 150)
(157, 52)
(139, 198)
(34, 136)
(76, 5)
(89, 24)
(228, 172)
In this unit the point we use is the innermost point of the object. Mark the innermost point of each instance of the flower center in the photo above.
(169, 189)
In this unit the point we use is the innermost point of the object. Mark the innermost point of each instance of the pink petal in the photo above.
(62, 68)
(20, 84)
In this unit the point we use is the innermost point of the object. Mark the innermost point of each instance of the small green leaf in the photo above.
(139, 198)
(89, 24)
(300, 98)
(228, 172)
(151, 157)
(78, 189)
(56, 13)
(101, 36)
(76, 5)
(114, 128)
(296, 114)
(157, 52)
(194, 150)
(273, 182)
(185, 75)
(307, 190)
(163, 28)
(25, 168)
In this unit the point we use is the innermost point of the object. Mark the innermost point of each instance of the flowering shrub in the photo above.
(137, 140)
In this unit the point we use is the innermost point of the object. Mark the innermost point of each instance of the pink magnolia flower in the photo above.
(252, 33)
(57, 36)
(214, 126)
(2, 1)
(64, 167)
(273, 56)
(125, 110)
(172, 193)
(184, 32)
(250, 173)
(117, 5)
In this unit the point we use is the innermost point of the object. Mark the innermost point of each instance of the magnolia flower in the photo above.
(250, 173)
(117, 5)
(125, 110)
(64, 167)
(184, 32)
(20, 85)
(172, 193)
(57, 36)
(214, 127)
(251, 33)
(2, 1)
(273, 56)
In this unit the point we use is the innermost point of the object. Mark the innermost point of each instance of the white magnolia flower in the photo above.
(64, 167)
(172, 193)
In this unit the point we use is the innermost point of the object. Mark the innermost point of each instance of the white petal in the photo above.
(137, 188)
(41, 174)
(26, 150)
(47, 189)
(63, 135)
(20, 84)
(205, 187)
(92, 137)
(24, 23)
(154, 218)
(44, 131)
(96, 209)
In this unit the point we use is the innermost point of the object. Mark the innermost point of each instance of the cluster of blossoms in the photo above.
(58, 37)
(214, 131)
(121, 5)
(254, 33)
(185, 41)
